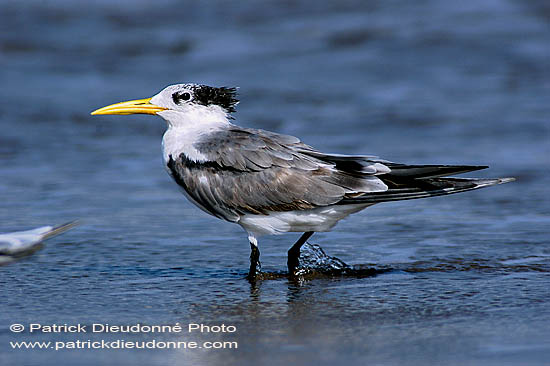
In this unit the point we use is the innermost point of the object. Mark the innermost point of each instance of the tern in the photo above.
(270, 183)
(20, 243)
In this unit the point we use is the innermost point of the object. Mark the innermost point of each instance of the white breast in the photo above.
(185, 129)
(177, 140)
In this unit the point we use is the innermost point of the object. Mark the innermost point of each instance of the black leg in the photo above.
(255, 265)
(294, 252)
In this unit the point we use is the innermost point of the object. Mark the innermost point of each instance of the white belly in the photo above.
(317, 219)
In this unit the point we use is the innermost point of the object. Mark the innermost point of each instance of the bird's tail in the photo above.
(427, 187)
(60, 229)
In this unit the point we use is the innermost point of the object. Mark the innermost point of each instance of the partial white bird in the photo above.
(270, 183)
(20, 243)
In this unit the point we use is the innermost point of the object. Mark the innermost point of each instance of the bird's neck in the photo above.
(195, 115)
(186, 129)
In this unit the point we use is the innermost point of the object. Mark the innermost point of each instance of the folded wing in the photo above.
(256, 172)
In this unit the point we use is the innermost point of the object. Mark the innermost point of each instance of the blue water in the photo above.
(416, 82)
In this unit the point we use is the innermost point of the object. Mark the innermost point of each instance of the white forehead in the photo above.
(164, 97)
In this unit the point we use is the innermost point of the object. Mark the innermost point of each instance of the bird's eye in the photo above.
(177, 97)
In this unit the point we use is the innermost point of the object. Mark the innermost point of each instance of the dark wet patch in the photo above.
(316, 264)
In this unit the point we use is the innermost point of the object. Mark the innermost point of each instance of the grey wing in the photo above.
(255, 171)
(263, 171)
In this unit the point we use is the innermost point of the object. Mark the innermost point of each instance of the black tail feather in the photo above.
(427, 187)
(430, 171)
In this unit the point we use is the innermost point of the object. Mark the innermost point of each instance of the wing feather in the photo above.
(252, 171)
(255, 171)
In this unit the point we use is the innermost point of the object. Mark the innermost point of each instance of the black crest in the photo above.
(224, 97)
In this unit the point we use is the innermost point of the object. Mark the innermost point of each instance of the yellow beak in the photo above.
(142, 106)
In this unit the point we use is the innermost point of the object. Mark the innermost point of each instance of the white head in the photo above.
(182, 105)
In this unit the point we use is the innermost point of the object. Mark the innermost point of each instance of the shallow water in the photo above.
(463, 279)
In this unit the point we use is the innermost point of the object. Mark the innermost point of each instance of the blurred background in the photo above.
(416, 82)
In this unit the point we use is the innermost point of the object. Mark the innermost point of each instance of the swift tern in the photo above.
(271, 183)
